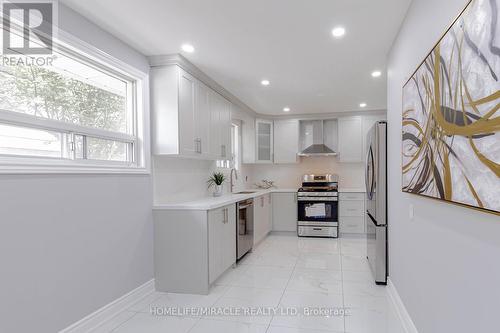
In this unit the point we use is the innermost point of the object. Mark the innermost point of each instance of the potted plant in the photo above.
(217, 179)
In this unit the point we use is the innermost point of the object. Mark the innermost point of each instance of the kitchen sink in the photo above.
(245, 192)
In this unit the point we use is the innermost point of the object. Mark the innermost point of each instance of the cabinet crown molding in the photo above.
(182, 62)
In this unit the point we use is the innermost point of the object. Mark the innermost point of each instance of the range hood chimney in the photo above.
(313, 138)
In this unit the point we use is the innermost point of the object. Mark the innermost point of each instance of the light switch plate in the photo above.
(411, 212)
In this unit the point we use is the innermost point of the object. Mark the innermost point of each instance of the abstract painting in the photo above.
(451, 123)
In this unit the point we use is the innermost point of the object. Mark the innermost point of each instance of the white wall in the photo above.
(445, 262)
(70, 244)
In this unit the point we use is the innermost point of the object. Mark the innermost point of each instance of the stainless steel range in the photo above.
(317, 214)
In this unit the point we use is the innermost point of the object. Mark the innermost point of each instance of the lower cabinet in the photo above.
(221, 240)
(284, 211)
(192, 248)
(262, 217)
(352, 213)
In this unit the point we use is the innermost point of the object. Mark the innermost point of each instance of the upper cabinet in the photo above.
(264, 141)
(350, 139)
(286, 141)
(248, 141)
(220, 126)
(189, 118)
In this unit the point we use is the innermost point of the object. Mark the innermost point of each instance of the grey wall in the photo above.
(70, 244)
(445, 262)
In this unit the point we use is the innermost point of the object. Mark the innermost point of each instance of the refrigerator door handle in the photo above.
(370, 174)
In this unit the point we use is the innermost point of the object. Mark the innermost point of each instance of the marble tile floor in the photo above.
(283, 272)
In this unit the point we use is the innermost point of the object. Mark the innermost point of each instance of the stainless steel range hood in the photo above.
(314, 134)
(317, 150)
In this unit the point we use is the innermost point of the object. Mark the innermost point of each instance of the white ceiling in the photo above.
(239, 42)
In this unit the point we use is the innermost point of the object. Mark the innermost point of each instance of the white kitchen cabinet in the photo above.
(352, 213)
(264, 141)
(284, 211)
(189, 119)
(248, 141)
(268, 205)
(350, 139)
(262, 217)
(188, 137)
(221, 240)
(192, 248)
(220, 126)
(202, 118)
(286, 141)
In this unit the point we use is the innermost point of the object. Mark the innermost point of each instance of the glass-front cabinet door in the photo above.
(264, 141)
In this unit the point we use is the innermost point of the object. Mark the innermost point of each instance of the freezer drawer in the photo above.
(377, 250)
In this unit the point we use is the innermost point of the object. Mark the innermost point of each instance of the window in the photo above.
(235, 146)
(76, 111)
(233, 162)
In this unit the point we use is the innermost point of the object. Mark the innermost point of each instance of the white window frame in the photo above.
(236, 145)
(139, 131)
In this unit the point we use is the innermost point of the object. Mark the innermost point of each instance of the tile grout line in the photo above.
(121, 324)
(128, 310)
(342, 278)
(284, 290)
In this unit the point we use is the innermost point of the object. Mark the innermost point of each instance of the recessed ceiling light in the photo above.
(286, 109)
(376, 73)
(187, 48)
(265, 82)
(362, 105)
(338, 32)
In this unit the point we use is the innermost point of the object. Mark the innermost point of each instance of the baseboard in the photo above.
(400, 308)
(110, 310)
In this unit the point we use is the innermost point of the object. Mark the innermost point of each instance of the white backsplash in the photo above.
(178, 179)
(289, 175)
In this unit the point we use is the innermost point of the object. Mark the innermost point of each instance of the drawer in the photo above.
(352, 225)
(352, 208)
(352, 196)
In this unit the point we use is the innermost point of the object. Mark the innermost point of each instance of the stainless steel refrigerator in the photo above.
(376, 201)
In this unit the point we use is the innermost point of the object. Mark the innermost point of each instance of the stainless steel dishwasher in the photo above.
(244, 227)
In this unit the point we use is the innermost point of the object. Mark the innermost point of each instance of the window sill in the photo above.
(21, 169)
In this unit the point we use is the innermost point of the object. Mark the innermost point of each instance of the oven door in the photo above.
(317, 210)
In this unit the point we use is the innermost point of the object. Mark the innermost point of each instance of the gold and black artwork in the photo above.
(451, 123)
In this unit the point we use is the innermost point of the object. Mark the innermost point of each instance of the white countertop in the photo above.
(208, 203)
(352, 189)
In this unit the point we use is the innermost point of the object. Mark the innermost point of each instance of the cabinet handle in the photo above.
(197, 142)
(262, 201)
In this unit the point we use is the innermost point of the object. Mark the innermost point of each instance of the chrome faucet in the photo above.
(231, 178)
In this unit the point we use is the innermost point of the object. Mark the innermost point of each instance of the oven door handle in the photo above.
(318, 199)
